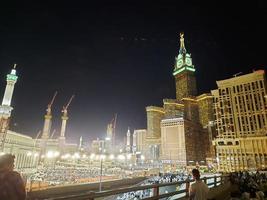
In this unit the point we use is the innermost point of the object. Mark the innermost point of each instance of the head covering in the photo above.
(6, 159)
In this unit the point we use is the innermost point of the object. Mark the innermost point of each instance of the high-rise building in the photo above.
(140, 140)
(207, 120)
(128, 141)
(154, 116)
(241, 122)
(195, 112)
(97, 146)
(181, 144)
(173, 108)
(134, 143)
(173, 141)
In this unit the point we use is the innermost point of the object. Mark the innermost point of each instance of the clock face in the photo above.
(179, 63)
(188, 61)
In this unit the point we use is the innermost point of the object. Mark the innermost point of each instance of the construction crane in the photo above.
(36, 138)
(53, 133)
(50, 104)
(235, 75)
(65, 108)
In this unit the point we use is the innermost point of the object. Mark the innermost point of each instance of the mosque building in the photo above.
(30, 152)
(22, 146)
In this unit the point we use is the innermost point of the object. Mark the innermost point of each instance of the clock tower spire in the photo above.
(184, 73)
(182, 46)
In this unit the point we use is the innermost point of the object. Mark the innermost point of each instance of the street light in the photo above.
(129, 156)
(111, 157)
(92, 156)
(102, 157)
(142, 160)
(121, 157)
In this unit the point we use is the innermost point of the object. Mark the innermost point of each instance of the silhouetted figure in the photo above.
(198, 190)
(11, 184)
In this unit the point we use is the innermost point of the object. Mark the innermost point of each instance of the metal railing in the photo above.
(215, 181)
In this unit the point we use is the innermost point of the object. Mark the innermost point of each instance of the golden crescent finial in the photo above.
(15, 65)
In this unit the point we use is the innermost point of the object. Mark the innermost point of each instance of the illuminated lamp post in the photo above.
(142, 159)
(122, 158)
(102, 157)
(128, 159)
(52, 155)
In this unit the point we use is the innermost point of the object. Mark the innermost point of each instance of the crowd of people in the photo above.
(134, 195)
(161, 178)
(66, 175)
(250, 185)
(12, 185)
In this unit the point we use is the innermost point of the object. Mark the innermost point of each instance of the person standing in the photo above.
(11, 183)
(198, 190)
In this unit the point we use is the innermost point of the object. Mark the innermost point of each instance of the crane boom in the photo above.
(35, 140)
(237, 74)
(53, 99)
(38, 134)
(114, 129)
(51, 137)
(68, 104)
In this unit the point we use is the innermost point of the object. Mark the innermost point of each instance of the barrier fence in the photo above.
(213, 181)
(43, 185)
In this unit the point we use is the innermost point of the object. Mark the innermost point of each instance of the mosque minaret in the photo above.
(6, 108)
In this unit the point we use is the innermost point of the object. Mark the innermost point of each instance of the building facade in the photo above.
(23, 147)
(195, 116)
(6, 108)
(140, 139)
(153, 137)
(173, 141)
(241, 122)
(29, 152)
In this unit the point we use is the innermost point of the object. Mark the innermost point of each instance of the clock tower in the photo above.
(184, 73)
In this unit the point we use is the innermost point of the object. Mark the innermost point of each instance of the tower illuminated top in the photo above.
(183, 61)
(11, 80)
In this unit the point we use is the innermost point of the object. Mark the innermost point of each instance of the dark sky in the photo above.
(118, 57)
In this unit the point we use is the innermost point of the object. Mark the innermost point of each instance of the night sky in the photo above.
(118, 57)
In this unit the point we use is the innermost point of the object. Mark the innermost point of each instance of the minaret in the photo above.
(11, 79)
(184, 73)
(128, 141)
(5, 108)
(47, 124)
(48, 119)
(63, 127)
(134, 143)
(64, 123)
